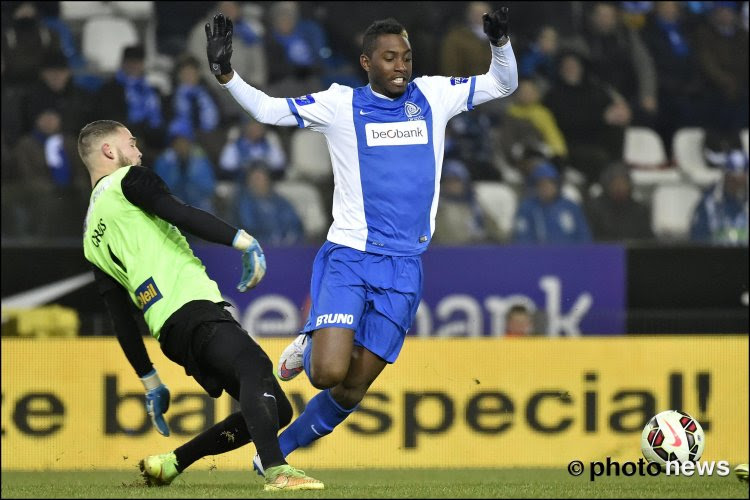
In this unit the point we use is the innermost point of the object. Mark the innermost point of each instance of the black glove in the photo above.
(496, 26)
(219, 45)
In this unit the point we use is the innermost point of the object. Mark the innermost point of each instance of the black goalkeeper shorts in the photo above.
(188, 330)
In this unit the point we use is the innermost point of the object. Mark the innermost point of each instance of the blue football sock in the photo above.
(322, 414)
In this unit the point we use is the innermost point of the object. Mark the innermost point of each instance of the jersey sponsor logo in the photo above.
(304, 100)
(147, 294)
(346, 319)
(396, 133)
(457, 80)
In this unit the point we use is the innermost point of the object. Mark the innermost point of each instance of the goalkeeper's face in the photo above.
(127, 151)
(389, 67)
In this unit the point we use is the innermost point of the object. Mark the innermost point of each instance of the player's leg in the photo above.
(233, 355)
(330, 407)
(227, 435)
(392, 300)
(337, 296)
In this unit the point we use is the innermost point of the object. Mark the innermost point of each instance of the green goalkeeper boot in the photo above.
(287, 478)
(159, 470)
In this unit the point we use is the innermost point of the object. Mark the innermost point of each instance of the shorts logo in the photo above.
(304, 100)
(411, 109)
(456, 80)
(346, 319)
(147, 294)
(396, 133)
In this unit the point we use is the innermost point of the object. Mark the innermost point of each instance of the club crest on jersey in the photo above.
(147, 294)
(455, 80)
(412, 110)
(304, 100)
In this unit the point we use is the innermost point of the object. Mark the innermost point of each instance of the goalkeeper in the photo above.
(144, 265)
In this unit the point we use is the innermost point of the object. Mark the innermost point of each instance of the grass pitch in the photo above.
(360, 483)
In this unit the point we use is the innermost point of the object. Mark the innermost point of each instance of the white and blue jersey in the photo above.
(387, 156)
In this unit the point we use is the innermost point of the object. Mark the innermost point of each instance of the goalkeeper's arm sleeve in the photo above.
(122, 310)
(145, 189)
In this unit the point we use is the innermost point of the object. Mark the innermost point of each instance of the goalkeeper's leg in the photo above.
(227, 435)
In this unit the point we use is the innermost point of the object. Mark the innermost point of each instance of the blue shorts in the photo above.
(375, 295)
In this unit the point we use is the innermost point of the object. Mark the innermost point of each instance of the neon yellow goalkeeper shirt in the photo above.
(147, 255)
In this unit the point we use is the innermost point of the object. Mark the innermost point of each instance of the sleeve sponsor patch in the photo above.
(455, 80)
(304, 100)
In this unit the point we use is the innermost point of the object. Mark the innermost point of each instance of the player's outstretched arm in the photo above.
(502, 78)
(129, 336)
(145, 189)
(265, 109)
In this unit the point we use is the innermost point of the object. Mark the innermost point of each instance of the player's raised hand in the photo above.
(253, 266)
(496, 26)
(219, 45)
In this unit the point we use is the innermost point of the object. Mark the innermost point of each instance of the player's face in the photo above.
(127, 151)
(389, 68)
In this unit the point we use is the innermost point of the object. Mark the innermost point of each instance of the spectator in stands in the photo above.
(47, 157)
(50, 178)
(619, 58)
(681, 91)
(526, 106)
(721, 217)
(468, 133)
(592, 119)
(186, 169)
(615, 215)
(255, 143)
(25, 41)
(194, 104)
(248, 51)
(294, 49)
(722, 47)
(547, 217)
(460, 219)
(539, 61)
(129, 98)
(518, 321)
(56, 90)
(465, 50)
(265, 213)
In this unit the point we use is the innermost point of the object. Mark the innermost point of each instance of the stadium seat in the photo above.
(310, 159)
(79, 11)
(643, 148)
(103, 40)
(688, 152)
(308, 204)
(672, 209)
(744, 140)
(499, 201)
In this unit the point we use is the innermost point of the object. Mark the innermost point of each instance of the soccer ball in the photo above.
(672, 436)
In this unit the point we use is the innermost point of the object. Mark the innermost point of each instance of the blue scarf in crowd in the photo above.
(55, 158)
(677, 41)
(143, 101)
(194, 105)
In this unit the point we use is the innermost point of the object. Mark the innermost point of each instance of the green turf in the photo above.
(463, 483)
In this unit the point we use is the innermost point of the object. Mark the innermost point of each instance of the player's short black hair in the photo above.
(382, 27)
(93, 131)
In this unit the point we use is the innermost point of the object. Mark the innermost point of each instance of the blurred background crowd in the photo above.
(630, 122)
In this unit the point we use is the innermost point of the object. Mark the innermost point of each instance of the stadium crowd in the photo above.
(630, 122)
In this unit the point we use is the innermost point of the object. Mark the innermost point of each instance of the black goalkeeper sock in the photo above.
(227, 435)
